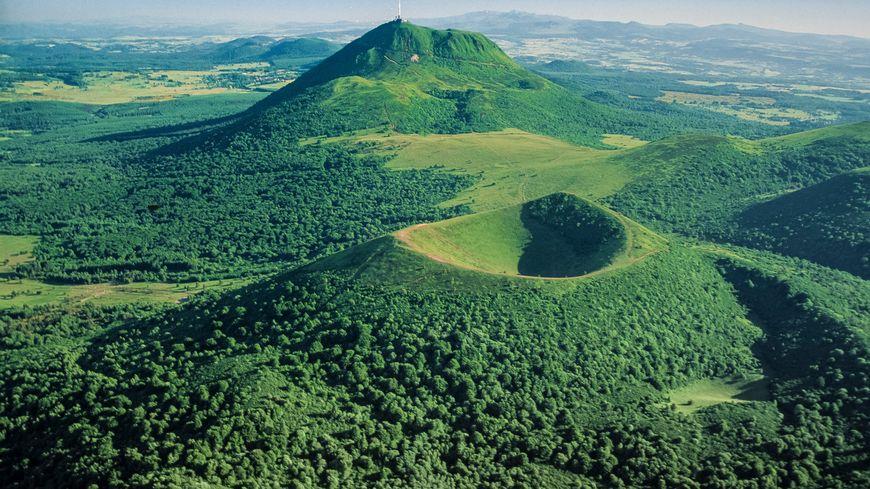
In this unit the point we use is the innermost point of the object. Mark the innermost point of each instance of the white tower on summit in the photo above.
(399, 12)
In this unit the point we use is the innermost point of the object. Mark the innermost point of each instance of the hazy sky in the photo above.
(823, 16)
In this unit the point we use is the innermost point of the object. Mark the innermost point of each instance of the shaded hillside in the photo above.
(828, 223)
(700, 185)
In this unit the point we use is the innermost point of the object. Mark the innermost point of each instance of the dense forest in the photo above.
(320, 377)
(828, 223)
(204, 216)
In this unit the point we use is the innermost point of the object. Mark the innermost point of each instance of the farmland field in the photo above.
(118, 87)
(756, 109)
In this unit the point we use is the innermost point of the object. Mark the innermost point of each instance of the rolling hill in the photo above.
(715, 188)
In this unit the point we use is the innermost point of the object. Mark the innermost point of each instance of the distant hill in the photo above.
(526, 24)
(75, 56)
(242, 49)
(746, 50)
(300, 48)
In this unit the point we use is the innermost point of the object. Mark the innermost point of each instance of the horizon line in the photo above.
(165, 21)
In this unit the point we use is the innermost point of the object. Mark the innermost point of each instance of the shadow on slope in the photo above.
(559, 236)
(568, 237)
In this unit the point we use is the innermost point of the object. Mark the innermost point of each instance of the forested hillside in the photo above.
(828, 223)
(714, 187)
(318, 377)
(417, 80)
(214, 216)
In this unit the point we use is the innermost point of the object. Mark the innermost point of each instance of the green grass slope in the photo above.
(556, 236)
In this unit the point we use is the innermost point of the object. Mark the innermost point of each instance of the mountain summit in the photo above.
(397, 46)
(413, 79)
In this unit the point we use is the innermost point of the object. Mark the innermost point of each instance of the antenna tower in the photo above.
(399, 11)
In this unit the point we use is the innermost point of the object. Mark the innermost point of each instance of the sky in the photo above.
(850, 17)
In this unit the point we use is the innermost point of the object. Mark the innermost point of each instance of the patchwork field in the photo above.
(749, 108)
(115, 87)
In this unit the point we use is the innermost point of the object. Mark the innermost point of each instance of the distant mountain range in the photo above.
(719, 51)
(492, 23)
(528, 25)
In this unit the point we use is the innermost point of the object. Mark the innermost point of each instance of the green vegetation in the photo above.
(734, 104)
(22, 293)
(556, 236)
(167, 219)
(345, 358)
(710, 392)
(709, 187)
(15, 250)
(70, 62)
(419, 81)
(511, 167)
(828, 223)
(110, 206)
(101, 73)
(549, 340)
(17, 293)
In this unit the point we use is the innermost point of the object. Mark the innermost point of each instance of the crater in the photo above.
(558, 236)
